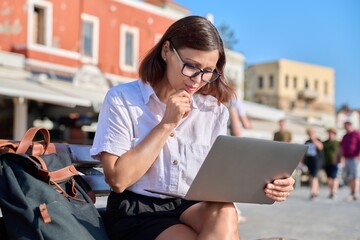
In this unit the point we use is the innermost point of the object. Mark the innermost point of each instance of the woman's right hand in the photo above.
(178, 106)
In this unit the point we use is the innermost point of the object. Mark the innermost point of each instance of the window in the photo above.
(292, 105)
(286, 81)
(129, 48)
(89, 38)
(261, 82)
(306, 84)
(271, 81)
(295, 82)
(40, 31)
(326, 88)
(316, 84)
(40, 23)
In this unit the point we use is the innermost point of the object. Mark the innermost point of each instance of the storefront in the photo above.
(69, 109)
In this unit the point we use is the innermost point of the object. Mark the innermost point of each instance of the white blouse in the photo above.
(130, 111)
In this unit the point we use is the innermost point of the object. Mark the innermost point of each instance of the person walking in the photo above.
(350, 150)
(155, 132)
(282, 135)
(238, 117)
(313, 160)
(331, 161)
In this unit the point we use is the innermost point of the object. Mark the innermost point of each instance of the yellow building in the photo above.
(303, 89)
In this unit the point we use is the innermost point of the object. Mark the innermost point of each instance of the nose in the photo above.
(196, 78)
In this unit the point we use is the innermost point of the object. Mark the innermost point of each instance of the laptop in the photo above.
(237, 169)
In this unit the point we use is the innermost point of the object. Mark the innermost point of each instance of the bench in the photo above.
(88, 167)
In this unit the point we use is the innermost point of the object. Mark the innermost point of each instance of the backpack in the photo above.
(42, 196)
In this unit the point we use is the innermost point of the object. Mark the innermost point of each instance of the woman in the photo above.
(313, 160)
(154, 133)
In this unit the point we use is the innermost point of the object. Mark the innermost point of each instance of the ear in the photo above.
(165, 50)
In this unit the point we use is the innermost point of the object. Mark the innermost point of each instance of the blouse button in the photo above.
(172, 134)
(175, 162)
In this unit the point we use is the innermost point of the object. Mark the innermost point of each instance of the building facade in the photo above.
(61, 36)
(69, 53)
(234, 70)
(303, 89)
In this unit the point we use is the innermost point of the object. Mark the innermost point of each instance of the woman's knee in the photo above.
(223, 211)
(178, 232)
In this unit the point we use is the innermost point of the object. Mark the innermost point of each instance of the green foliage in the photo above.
(227, 35)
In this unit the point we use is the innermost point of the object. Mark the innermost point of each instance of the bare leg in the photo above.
(335, 186)
(331, 184)
(213, 220)
(178, 232)
(354, 186)
(314, 186)
(206, 221)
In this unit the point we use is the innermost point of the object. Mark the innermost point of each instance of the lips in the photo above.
(190, 89)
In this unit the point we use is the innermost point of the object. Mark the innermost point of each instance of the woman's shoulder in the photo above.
(129, 89)
(124, 92)
(124, 87)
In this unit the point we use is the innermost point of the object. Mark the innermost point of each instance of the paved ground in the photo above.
(299, 218)
(303, 219)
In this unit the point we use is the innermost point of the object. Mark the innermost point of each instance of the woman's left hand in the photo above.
(280, 189)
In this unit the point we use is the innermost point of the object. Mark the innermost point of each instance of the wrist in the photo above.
(167, 128)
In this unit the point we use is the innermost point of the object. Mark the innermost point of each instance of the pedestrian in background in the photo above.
(282, 135)
(313, 160)
(331, 161)
(238, 117)
(350, 150)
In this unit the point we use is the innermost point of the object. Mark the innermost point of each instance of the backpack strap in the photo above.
(7, 147)
(63, 174)
(27, 140)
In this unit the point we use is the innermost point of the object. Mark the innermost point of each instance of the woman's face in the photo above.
(200, 60)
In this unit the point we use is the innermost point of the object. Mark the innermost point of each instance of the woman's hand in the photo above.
(280, 189)
(178, 106)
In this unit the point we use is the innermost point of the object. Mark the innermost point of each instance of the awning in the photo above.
(91, 94)
(35, 91)
(259, 111)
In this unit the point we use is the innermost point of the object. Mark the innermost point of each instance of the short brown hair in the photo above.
(332, 130)
(189, 32)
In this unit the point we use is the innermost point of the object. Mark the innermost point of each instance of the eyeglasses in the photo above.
(192, 71)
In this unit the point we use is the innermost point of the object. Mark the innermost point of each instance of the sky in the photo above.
(321, 32)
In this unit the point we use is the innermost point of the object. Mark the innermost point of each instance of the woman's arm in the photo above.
(122, 172)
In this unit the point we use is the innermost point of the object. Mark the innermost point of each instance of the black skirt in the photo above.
(138, 217)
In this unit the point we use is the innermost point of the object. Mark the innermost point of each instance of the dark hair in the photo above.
(189, 32)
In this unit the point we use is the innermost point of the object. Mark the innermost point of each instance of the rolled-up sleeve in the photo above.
(113, 133)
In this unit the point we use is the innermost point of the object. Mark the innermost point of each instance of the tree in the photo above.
(227, 35)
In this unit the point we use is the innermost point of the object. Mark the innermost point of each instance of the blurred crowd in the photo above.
(336, 156)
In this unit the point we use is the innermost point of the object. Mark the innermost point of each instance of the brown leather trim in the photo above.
(7, 147)
(63, 192)
(27, 140)
(63, 174)
(44, 213)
